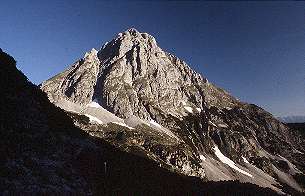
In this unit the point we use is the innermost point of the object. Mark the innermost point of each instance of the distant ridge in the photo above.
(292, 119)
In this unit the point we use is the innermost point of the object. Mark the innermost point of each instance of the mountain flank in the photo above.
(44, 153)
(148, 102)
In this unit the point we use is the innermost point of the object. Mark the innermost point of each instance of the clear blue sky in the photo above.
(254, 50)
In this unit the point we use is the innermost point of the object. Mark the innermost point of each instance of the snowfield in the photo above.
(94, 119)
(123, 124)
(189, 109)
(202, 157)
(245, 160)
(154, 123)
(94, 104)
(228, 161)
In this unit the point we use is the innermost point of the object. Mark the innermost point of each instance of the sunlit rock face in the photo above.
(149, 102)
(131, 73)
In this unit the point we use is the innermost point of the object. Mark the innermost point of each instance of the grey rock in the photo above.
(131, 74)
(133, 78)
(44, 153)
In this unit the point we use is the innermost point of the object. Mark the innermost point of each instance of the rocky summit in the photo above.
(149, 103)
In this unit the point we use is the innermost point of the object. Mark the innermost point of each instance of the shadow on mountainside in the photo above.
(43, 153)
(300, 127)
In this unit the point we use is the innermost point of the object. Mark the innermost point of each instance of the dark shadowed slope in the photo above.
(300, 127)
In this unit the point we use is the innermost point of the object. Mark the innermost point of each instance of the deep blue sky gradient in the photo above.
(254, 50)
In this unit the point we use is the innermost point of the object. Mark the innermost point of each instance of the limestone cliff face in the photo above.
(130, 74)
(174, 116)
(77, 82)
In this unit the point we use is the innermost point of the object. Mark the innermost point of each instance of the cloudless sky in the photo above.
(254, 50)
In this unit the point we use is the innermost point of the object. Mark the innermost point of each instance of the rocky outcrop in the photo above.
(174, 116)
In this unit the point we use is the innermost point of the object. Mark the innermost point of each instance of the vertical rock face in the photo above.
(130, 74)
(174, 116)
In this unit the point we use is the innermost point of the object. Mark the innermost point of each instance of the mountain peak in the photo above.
(93, 52)
(132, 30)
(136, 37)
(172, 112)
(133, 63)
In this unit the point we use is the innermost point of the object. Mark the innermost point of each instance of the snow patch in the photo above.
(245, 160)
(198, 109)
(159, 128)
(212, 123)
(222, 125)
(183, 102)
(94, 119)
(202, 157)
(94, 104)
(228, 161)
(189, 109)
(123, 124)
(154, 123)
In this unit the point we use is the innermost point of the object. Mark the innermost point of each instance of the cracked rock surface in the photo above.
(169, 113)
